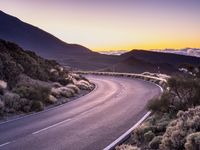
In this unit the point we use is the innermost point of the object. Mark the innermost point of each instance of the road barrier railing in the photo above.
(159, 81)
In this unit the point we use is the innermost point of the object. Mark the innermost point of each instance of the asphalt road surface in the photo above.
(89, 123)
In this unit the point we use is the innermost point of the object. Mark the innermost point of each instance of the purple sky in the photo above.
(114, 24)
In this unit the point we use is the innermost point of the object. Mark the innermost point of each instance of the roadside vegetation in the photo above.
(175, 120)
(29, 83)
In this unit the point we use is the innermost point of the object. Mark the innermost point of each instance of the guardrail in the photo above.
(162, 83)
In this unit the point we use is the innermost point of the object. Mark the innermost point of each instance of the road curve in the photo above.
(88, 123)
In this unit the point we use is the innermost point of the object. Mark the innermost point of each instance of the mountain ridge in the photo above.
(48, 46)
(30, 37)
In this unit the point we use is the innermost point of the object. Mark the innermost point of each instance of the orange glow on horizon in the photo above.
(114, 25)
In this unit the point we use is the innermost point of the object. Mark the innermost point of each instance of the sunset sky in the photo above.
(114, 24)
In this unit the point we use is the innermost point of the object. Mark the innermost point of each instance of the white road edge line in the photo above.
(113, 144)
(117, 141)
(57, 124)
(161, 89)
(4, 144)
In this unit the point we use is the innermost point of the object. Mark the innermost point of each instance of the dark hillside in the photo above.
(158, 57)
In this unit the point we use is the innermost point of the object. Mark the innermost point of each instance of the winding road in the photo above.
(89, 123)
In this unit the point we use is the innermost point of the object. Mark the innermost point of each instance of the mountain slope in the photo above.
(139, 61)
(133, 65)
(46, 45)
(14, 61)
(33, 38)
(158, 57)
(29, 82)
(77, 56)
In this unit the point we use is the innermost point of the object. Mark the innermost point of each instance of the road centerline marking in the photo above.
(52, 126)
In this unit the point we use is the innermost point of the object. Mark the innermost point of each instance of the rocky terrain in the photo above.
(29, 82)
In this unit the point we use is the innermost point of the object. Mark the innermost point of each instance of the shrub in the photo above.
(153, 127)
(193, 141)
(66, 92)
(183, 93)
(3, 86)
(1, 107)
(155, 142)
(11, 72)
(64, 81)
(138, 133)
(62, 92)
(77, 76)
(127, 147)
(55, 92)
(37, 106)
(148, 136)
(24, 102)
(12, 101)
(74, 87)
(160, 122)
(161, 104)
(56, 85)
(84, 85)
(52, 99)
(26, 108)
(36, 92)
(186, 123)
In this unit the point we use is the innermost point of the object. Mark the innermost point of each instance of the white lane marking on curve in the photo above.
(113, 144)
(4, 144)
(57, 124)
(161, 89)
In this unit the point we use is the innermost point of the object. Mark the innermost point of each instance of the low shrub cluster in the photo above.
(182, 94)
(175, 123)
(29, 82)
(84, 85)
(1, 107)
(127, 147)
(33, 95)
(155, 142)
(12, 101)
(33, 92)
(183, 132)
(148, 135)
(193, 141)
(37, 106)
(62, 92)
(70, 89)
(165, 132)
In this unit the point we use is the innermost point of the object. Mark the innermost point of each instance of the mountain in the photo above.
(76, 56)
(134, 65)
(139, 61)
(33, 38)
(46, 45)
(158, 57)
